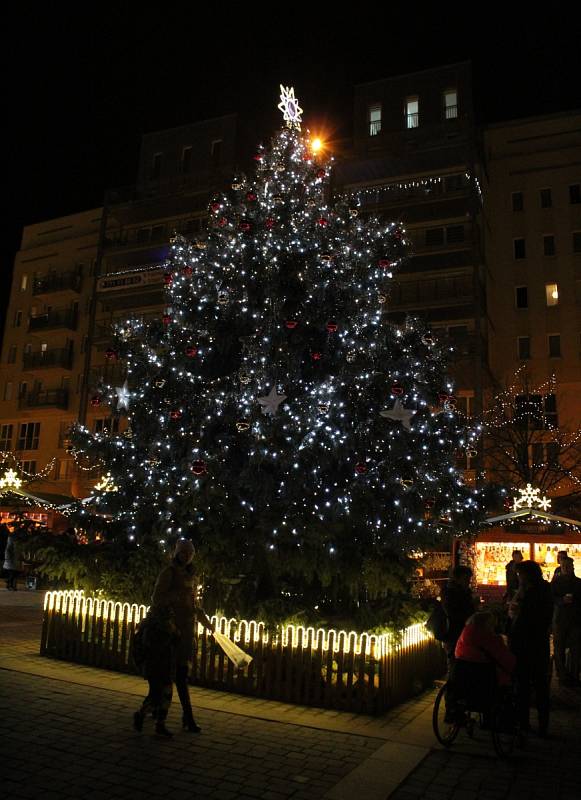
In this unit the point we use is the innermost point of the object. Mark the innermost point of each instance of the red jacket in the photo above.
(480, 646)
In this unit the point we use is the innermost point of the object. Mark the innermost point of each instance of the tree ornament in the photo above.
(279, 167)
(316, 355)
(244, 378)
(199, 467)
(168, 278)
(271, 402)
(191, 351)
(166, 319)
(429, 503)
(399, 414)
(222, 222)
(236, 184)
(245, 226)
(397, 389)
(160, 383)
(96, 400)
(311, 202)
(111, 354)
(321, 173)
(269, 222)
(215, 206)
(398, 233)
(471, 453)
(289, 105)
(407, 483)
(332, 326)
(450, 403)
(128, 434)
(175, 414)
(251, 197)
(187, 270)
(326, 257)
(351, 356)
(360, 468)
(123, 396)
(258, 157)
(322, 222)
(353, 212)
(323, 407)
(201, 244)
(223, 297)
(242, 425)
(278, 199)
(382, 298)
(291, 324)
(385, 263)
(428, 339)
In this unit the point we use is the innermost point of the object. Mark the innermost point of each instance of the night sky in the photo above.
(81, 91)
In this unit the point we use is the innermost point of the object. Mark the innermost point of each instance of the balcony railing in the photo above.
(57, 282)
(55, 398)
(61, 357)
(64, 318)
(375, 127)
(113, 374)
(413, 120)
(436, 291)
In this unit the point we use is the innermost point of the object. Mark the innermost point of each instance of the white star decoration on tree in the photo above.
(123, 396)
(399, 414)
(289, 105)
(529, 498)
(271, 402)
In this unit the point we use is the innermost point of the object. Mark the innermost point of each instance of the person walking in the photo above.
(12, 561)
(511, 576)
(176, 589)
(566, 589)
(531, 612)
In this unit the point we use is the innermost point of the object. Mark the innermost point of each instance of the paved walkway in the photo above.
(66, 733)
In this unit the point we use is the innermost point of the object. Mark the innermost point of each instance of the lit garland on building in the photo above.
(273, 397)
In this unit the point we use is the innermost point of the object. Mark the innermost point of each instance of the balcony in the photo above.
(57, 282)
(61, 358)
(435, 292)
(48, 398)
(451, 112)
(62, 318)
(112, 374)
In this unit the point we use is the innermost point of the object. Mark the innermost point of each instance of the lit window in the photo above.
(518, 201)
(23, 283)
(374, 120)
(552, 293)
(549, 245)
(546, 198)
(554, 345)
(450, 104)
(524, 347)
(521, 297)
(412, 112)
(519, 248)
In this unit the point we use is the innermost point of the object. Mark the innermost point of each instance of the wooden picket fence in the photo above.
(364, 673)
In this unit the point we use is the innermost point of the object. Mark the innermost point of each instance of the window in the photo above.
(64, 469)
(106, 425)
(12, 354)
(22, 389)
(552, 294)
(6, 437)
(545, 454)
(554, 345)
(18, 319)
(450, 104)
(412, 112)
(27, 466)
(143, 235)
(216, 151)
(155, 172)
(552, 452)
(549, 245)
(186, 160)
(577, 241)
(519, 248)
(24, 283)
(521, 295)
(464, 404)
(537, 454)
(28, 436)
(536, 411)
(518, 202)
(524, 347)
(8, 391)
(546, 199)
(454, 234)
(374, 119)
(434, 236)
(575, 193)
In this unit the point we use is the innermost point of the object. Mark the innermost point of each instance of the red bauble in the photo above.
(199, 467)
(111, 355)
(258, 157)
(167, 278)
(191, 351)
(323, 222)
(187, 270)
(175, 414)
(166, 319)
(429, 502)
(398, 233)
(215, 207)
(291, 324)
(332, 327)
(321, 173)
(360, 468)
(316, 356)
(251, 197)
(385, 263)
(397, 389)
(245, 226)
(269, 222)
(222, 221)
(95, 400)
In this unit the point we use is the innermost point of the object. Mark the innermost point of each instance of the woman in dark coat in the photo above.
(176, 588)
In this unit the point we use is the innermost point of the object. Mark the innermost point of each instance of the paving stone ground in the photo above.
(66, 733)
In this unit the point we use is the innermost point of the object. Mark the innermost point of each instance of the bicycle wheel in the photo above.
(505, 730)
(445, 732)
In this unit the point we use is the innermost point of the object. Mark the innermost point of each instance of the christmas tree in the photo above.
(274, 413)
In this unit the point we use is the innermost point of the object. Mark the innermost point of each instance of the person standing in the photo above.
(560, 556)
(511, 576)
(458, 603)
(531, 612)
(176, 589)
(12, 561)
(566, 589)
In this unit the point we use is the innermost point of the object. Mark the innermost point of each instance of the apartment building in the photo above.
(44, 347)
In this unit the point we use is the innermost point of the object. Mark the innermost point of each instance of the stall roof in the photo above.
(534, 513)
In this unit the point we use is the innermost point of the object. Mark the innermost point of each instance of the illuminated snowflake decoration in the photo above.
(10, 480)
(289, 105)
(530, 498)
